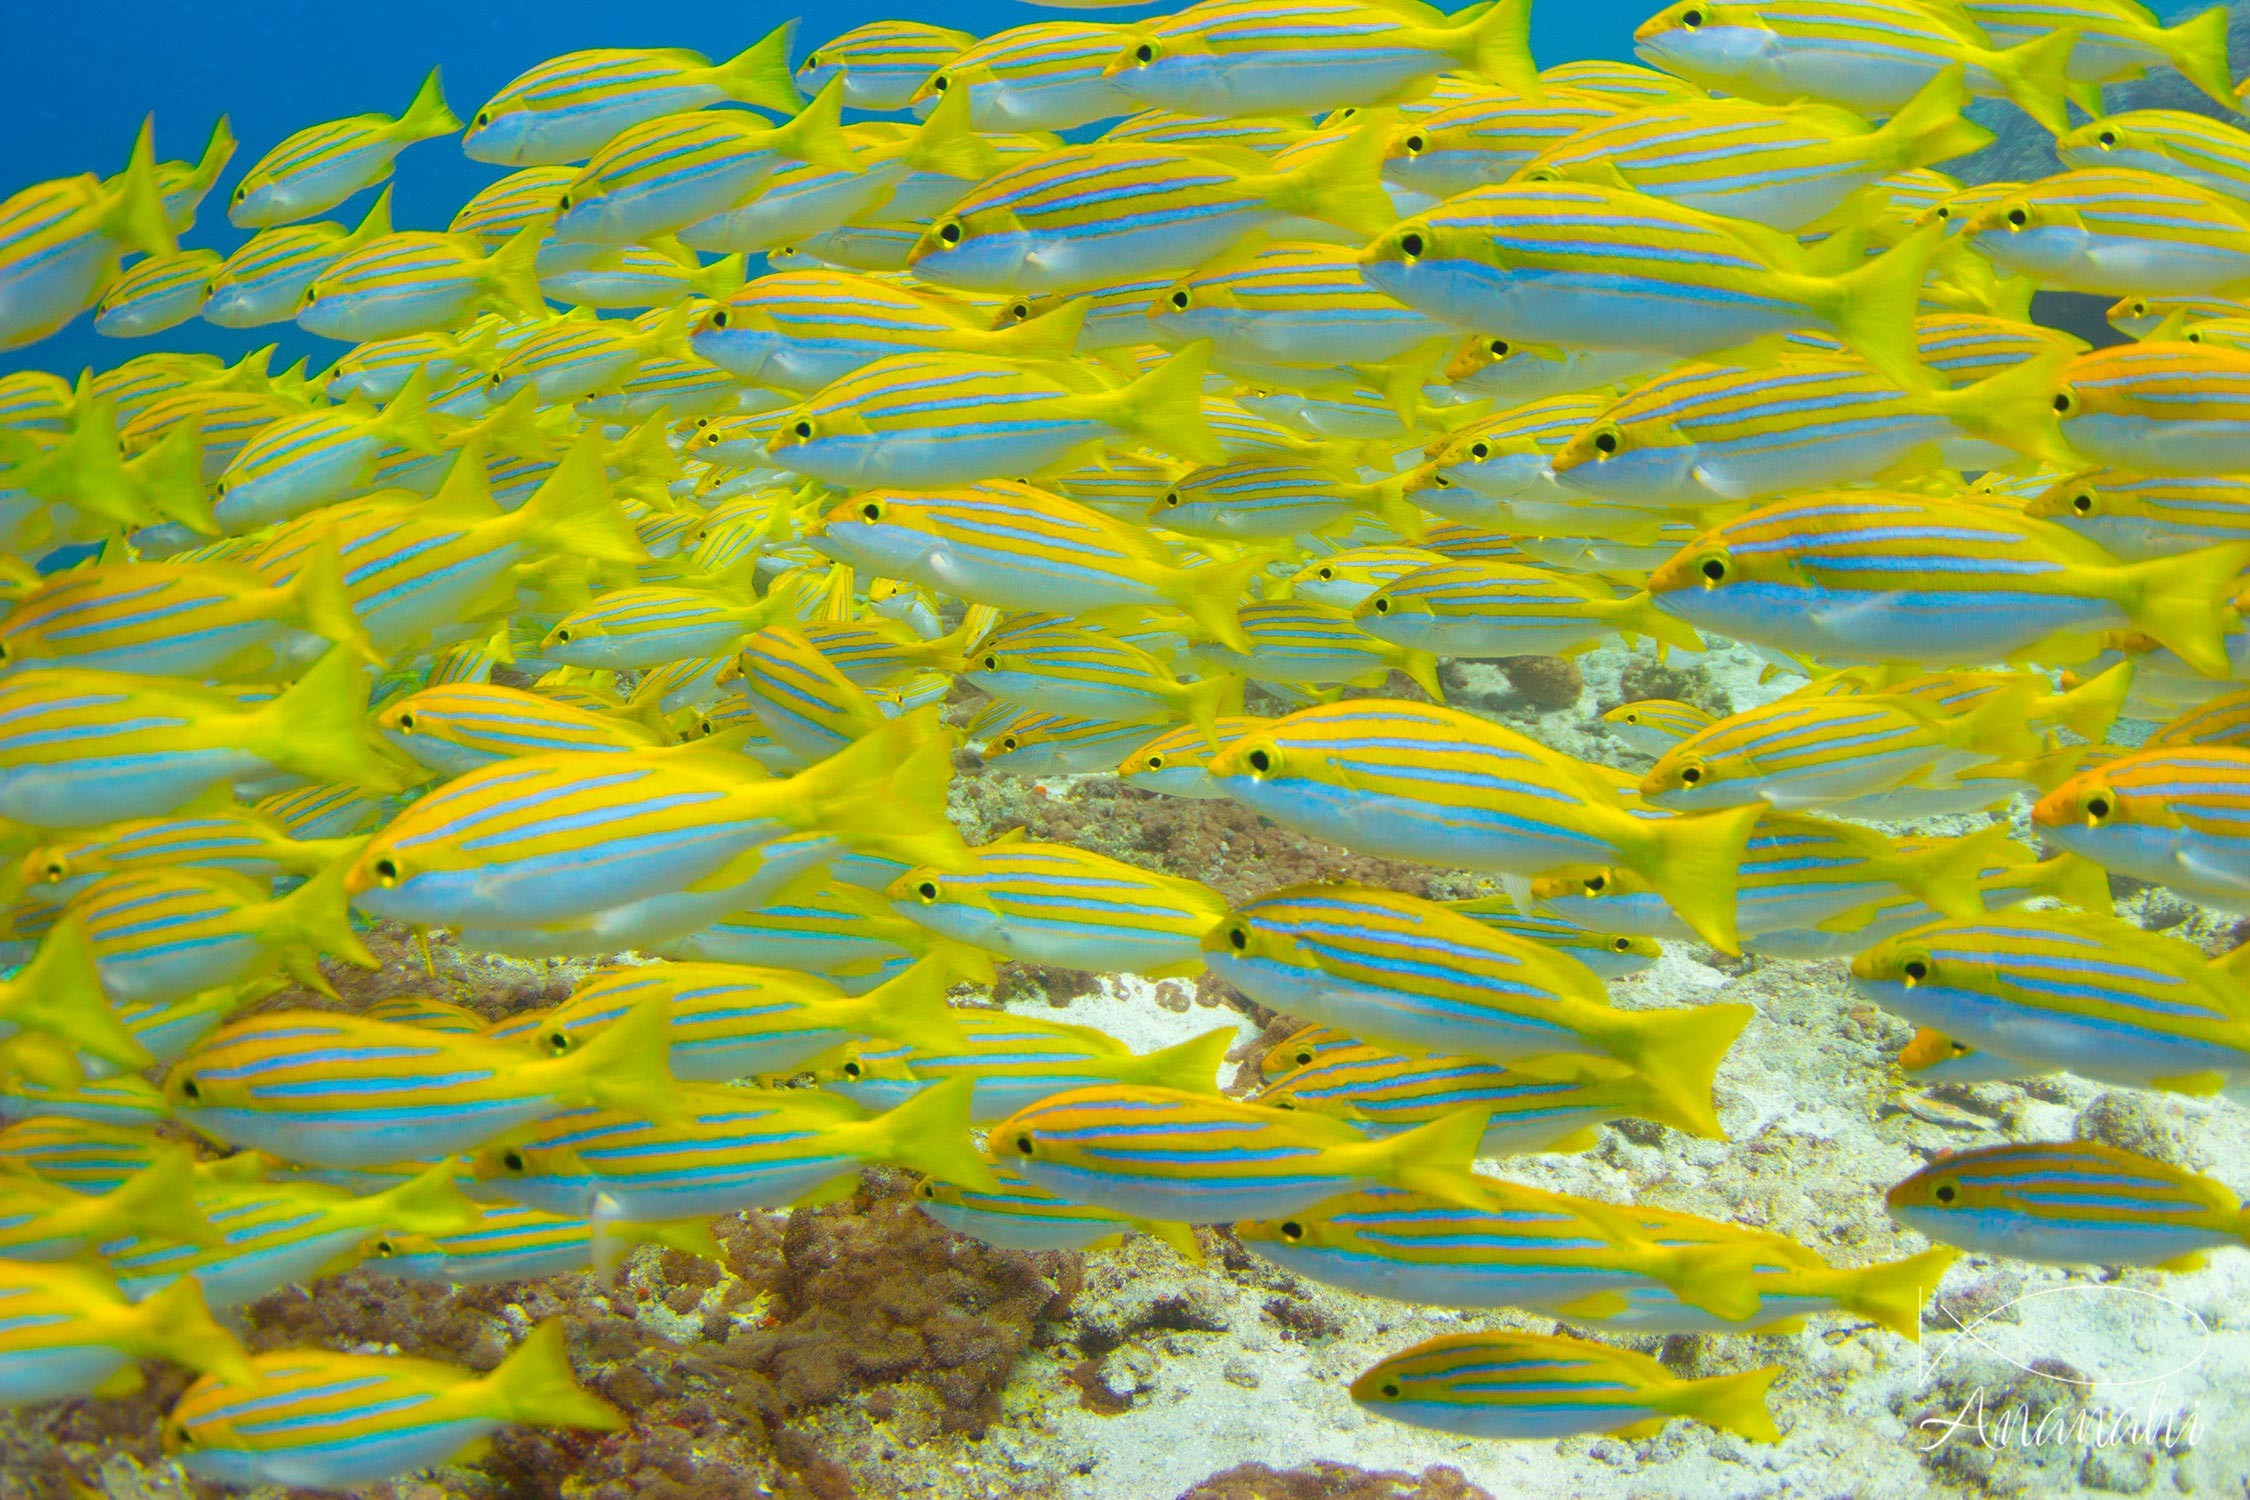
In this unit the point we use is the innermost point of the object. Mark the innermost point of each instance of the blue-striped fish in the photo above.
(2071, 990)
(883, 63)
(521, 1244)
(632, 628)
(1612, 955)
(2168, 142)
(162, 934)
(713, 1150)
(456, 729)
(315, 1420)
(1489, 609)
(803, 701)
(1051, 75)
(2115, 231)
(569, 107)
(1533, 1386)
(1486, 139)
(1300, 644)
(263, 279)
(1017, 1216)
(2071, 1203)
(254, 842)
(414, 281)
(1652, 726)
(60, 242)
(1016, 1061)
(1064, 668)
(318, 167)
(1059, 904)
(497, 211)
(156, 293)
(1203, 1159)
(2135, 517)
(2174, 815)
(1425, 783)
(70, 1333)
(1260, 500)
(2116, 40)
(1412, 974)
(1292, 304)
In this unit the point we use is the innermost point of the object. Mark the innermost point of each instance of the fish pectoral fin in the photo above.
(1649, 1428)
(1594, 1307)
(2209, 1082)
(2194, 1260)
(126, 1380)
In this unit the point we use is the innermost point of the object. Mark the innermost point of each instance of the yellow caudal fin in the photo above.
(1181, 1237)
(217, 152)
(373, 226)
(1343, 185)
(427, 116)
(2179, 600)
(1438, 1159)
(135, 217)
(816, 134)
(1678, 1053)
(1929, 127)
(929, 1133)
(1191, 1066)
(1643, 1099)
(1731, 1403)
(948, 146)
(2035, 75)
(536, 1384)
(1163, 407)
(1206, 700)
(318, 728)
(316, 916)
(60, 993)
(429, 1203)
(1872, 306)
(1051, 335)
(692, 1236)
(1640, 614)
(176, 1324)
(1948, 877)
(319, 601)
(759, 74)
(1498, 47)
(910, 1007)
(514, 430)
(465, 494)
(157, 1202)
(2091, 707)
(2198, 48)
(627, 1065)
(512, 273)
(1212, 596)
(885, 792)
(2015, 408)
(574, 511)
(1893, 1294)
(722, 278)
(1692, 862)
(406, 421)
(1422, 669)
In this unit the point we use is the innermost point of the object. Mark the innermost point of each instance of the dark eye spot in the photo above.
(1023, 1145)
(1498, 348)
(563, 634)
(1144, 53)
(406, 722)
(941, 83)
(1946, 1193)
(2018, 218)
(1382, 604)
(2082, 503)
(1390, 1389)
(852, 1070)
(2107, 137)
(1156, 763)
(2097, 808)
(386, 869)
(802, 429)
(719, 318)
(872, 511)
(563, 202)
(484, 119)
(1691, 19)
(1260, 761)
(1715, 570)
(1180, 300)
(927, 890)
(55, 870)
(1691, 775)
(1237, 939)
(1605, 442)
(1596, 884)
(191, 1090)
(1292, 1231)
(1410, 245)
(992, 664)
(1915, 971)
(1480, 451)
(512, 1160)
(1621, 944)
(950, 233)
(1415, 143)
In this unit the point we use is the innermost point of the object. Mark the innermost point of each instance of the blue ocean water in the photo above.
(86, 74)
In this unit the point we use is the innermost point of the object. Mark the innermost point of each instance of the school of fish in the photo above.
(621, 585)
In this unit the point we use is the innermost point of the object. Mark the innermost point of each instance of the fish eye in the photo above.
(1292, 1231)
(562, 633)
(1414, 144)
(2017, 218)
(941, 83)
(1715, 569)
(853, 1070)
(927, 890)
(2083, 503)
(802, 429)
(1172, 498)
(563, 202)
(1441, 483)
(992, 663)
(2063, 402)
(1596, 884)
(1915, 971)
(813, 61)
(1621, 944)
(484, 118)
(1010, 743)
(382, 1249)
(558, 1041)
(386, 870)
(1691, 19)
(2107, 138)
(1325, 574)
(1381, 604)
(1605, 442)
(242, 192)
(1690, 775)
(719, 318)
(1260, 761)
(1144, 53)
(55, 870)
(1946, 1192)
(1180, 300)
(1023, 1145)
(1156, 763)
(1390, 1387)
(1480, 450)
(191, 1090)
(925, 1189)
(406, 723)
(1498, 348)
(512, 1159)
(1410, 245)
(1020, 311)
(312, 293)
(949, 232)
(1238, 939)
(2097, 808)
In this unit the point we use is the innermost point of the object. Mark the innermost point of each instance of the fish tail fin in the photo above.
(2198, 48)
(135, 218)
(930, 1133)
(535, 1383)
(179, 1327)
(1677, 1053)
(171, 480)
(427, 116)
(910, 1006)
(1212, 597)
(2076, 881)
(318, 728)
(1930, 127)
(574, 511)
(157, 1202)
(60, 993)
(815, 135)
(1892, 1294)
(217, 152)
(1191, 1066)
(759, 74)
(1165, 406)
(722, 278)
(1947, 876)
(1872, 306)
(2015, 408)
(2179, 599)
(946, 144)
(318, 915)
(1640, 614)
(1732, 1403)
(1499, 48)
(1343, 185)
(2035, 75)
(691, 1236)
(512, 271)
(1693, 861)
(1206, 698)
(2091, 707)
(1421, 667)
(1051, 335)
(885, 792)
(407, 419)
(626, 1066)
(1386, 501)
(1181, 1237)
(514, 429)
(428, 1203)
(1437, 1159)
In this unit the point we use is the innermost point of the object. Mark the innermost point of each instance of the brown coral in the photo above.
(1322, 1480)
